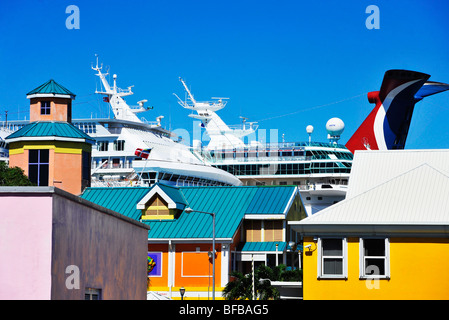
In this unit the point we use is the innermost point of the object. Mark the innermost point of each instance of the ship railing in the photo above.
(323, 185)
(10, 127)
(240, 159)
(241, 127)
(111, 165)
(292, 145)
(110, 183)
(151, 123)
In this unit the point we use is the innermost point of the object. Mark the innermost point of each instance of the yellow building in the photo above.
(390, 241)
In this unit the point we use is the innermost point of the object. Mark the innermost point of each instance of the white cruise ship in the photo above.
(320, 170)
(114, 158)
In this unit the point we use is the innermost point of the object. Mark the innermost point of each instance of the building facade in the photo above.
(388, 240)
(50, 150)
(250, 225)
(58, 246)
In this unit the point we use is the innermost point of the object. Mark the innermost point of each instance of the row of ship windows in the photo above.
(118, 145)
(315, 154)
(285, 169)
(179, 180)
(86, 127)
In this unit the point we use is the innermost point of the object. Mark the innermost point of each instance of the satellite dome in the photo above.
(335, 127)
(309, 129)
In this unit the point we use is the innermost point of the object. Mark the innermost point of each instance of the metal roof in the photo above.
(269, 201)
(51, 87)
(174, 193)
(417, 198)
(50, 129)
(373, 167)
(230, 204)
(263, 246)
(122, 200)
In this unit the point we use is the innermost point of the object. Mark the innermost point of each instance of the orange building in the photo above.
(180, 240)
(50, 150)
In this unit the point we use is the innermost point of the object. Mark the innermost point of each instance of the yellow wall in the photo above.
(418, 270)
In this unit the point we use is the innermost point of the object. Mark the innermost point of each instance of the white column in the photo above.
(225, 261)
(171, 267)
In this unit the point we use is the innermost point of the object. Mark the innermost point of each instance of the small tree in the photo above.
(13, 176)
(241, 287)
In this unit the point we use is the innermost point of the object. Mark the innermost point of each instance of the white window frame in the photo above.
(362, 259)
(344, 257)
(90, 293)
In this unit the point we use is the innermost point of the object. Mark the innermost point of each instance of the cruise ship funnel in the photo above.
(387, 126)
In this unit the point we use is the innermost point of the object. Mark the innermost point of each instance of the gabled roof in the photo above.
(230, 204)
(51, 87)
(373, 167)
(414, 202)
(52, 130)
(172, 195)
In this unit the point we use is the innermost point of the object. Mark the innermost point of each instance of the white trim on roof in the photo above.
(190, 240)
(158, 190)
(290, 202)
(48, 138)
(50, 95)
(262, 216)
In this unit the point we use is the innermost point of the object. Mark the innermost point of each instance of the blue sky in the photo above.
(285, 64)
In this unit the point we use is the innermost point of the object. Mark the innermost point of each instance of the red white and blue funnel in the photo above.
(386, 127)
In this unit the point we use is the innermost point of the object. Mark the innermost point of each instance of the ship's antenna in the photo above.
(96, 66)
(243, 121)
(182, 103)
(188, 91)
(96, 56)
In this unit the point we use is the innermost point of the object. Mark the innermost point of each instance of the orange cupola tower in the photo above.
(50, 150)
(50, 102)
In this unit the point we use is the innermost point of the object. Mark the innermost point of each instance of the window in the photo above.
(119, 145)
(374, 258)
(102, 146)
(38, 166)
(45, 107)
(85, 171)
(92, 294)
(332, 258)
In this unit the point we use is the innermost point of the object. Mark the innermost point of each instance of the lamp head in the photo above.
(188, 210)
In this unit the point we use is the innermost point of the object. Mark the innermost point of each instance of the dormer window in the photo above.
(161, 203)
(45, 107)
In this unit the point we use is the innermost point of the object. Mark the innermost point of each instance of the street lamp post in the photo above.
(182, 290)
(189, 210)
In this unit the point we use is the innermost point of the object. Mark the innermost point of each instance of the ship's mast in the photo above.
(102, 78)
(221, 135)
(115, 96)
(188, 91)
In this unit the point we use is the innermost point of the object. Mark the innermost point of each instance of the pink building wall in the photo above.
(25, 247)
(44, 230)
